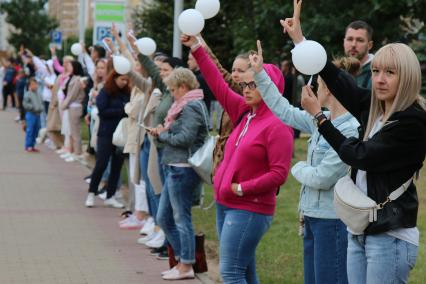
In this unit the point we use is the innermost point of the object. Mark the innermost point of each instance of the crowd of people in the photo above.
(374, 125)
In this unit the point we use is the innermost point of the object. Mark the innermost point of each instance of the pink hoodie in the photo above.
(258, 159)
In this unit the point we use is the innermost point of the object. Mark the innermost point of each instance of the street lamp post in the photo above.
(177, 46)
(81, 19)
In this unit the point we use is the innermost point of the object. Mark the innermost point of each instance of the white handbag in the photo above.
(202, 160)
(355, 208)
(119, 138)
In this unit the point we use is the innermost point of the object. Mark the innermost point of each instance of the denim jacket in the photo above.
(323, 167)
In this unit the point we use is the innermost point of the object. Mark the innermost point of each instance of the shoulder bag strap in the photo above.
(204, 115)
(400, 190)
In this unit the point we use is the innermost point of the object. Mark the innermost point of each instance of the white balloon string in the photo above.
(310, 81)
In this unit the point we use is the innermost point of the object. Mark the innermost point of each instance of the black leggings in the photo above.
(8, 90)
(105, 151)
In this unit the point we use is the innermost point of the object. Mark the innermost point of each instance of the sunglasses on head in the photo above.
(251, 85)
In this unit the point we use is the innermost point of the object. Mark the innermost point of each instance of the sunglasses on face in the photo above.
(251, 85)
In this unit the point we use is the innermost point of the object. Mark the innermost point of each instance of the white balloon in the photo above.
(309, 57)
(209, 8)
(76, 49)
(121, 64)
(191, 22)
(146, 45)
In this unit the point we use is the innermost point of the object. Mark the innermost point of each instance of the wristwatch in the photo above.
(319, 117)
(239, 190)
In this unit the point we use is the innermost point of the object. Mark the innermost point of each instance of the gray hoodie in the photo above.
(33, 102)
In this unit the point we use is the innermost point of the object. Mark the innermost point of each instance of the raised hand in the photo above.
(188, 41)
(53, 50)
(132, 40)
(309, 101)
(114, 31)
(292, 25)
(256, 60)
(109, 43)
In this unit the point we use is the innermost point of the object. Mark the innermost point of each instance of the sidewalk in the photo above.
(46, 233)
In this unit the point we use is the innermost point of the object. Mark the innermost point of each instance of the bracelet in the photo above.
(318, 114)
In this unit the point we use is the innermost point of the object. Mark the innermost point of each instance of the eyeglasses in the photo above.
(251, 85)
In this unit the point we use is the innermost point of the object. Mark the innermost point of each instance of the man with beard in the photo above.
(357, 43)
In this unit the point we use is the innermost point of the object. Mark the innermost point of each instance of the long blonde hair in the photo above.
(402, 58)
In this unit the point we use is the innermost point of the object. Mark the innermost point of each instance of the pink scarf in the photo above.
(179, 104)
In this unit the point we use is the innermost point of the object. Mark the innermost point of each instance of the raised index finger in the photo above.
(297, 6)
(259, 48)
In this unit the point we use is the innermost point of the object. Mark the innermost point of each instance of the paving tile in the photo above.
(46, 233)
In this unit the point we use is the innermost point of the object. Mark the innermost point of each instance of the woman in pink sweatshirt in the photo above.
(256, 163)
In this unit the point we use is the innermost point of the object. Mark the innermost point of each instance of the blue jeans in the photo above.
(174, 211)
(376, 259)
(325, 244)
(239, 233)
(153, 199)
(32, 121)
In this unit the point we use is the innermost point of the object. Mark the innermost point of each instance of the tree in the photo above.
(32, 25)
(239, 23)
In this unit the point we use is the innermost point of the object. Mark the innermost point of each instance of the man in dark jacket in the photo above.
(357, 43)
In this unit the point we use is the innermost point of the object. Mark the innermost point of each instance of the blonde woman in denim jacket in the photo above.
(325, 236)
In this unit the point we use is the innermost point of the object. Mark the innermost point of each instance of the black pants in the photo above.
(21, 106)
(105, 150)
(8, 90)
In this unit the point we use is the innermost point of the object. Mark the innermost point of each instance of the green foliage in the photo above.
(31, 22)
(239, 23)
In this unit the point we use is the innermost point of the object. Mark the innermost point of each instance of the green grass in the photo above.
(279, 255)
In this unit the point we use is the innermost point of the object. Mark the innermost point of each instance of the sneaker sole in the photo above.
(131, 228)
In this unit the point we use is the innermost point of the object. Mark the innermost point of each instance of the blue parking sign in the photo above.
(102, 32)
(57, 37)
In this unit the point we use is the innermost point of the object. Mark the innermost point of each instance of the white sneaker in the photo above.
(148, 228)
(61, 151)
(168, 271)
(147, 238)
(70, 159)
(65, 155)
(157, 241)
(81, 158)
(174, 274)
(112, 202)
(128, 219)
(118, 194)
(132, 224)
(103, 195)
(90, 200)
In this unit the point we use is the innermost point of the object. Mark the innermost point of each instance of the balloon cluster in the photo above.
(191, 21)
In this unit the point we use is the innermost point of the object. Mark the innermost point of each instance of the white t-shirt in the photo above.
(410, 235)
(47, 93)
